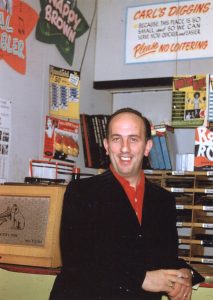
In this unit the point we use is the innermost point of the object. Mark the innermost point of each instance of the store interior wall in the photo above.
(29, 96)
(29, 93)
(104, 60)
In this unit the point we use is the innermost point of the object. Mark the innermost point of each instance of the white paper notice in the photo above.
(5, 134)
(169, 31)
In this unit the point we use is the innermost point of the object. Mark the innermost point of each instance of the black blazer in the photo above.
(105, 251)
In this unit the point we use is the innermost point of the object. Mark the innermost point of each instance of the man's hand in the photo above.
(180, 292)
(176, 283)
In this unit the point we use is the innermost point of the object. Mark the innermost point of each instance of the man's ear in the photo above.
(148, 147)
(106, 146)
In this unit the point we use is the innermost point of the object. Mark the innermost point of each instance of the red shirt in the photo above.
(135, 195)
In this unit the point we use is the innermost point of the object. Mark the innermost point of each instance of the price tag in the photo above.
(206, 225)
(177, 190)
(179, 224)
(208, 191)
(178, 173)
(207, 260)
(209, 173)
(148, 171)
(179, 206)
(208, 208)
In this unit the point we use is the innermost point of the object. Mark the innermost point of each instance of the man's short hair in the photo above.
(135, 112)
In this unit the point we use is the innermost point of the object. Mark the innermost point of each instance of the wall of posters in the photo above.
(5, 136)
(169, 31)
(64, 90)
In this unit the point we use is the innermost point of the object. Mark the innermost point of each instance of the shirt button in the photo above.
(139, 235)
(136, 200)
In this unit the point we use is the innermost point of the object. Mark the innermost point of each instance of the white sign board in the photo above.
(5, 135)
(169, 31)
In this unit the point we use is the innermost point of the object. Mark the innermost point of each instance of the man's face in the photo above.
(126, 145)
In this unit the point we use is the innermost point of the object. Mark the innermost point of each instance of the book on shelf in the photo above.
(203, 148)
(166, 154)
(93, 129)
(163, 153)
(159, 152)
(153, 158)
(185, 162)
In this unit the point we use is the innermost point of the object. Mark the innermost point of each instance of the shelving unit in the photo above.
(193, 192)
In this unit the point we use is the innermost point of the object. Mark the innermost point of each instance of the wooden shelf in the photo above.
(193, 191)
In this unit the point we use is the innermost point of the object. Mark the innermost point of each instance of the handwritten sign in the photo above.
(169, 31)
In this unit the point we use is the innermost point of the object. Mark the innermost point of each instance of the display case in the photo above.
(193, 192)
(29, 224)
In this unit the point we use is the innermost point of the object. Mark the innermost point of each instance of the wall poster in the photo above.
(189, 100)
(17, 20)
(64, 90)
(61, 139)
(203, 149)
(61, 23)
(5, 136)
(169, 31)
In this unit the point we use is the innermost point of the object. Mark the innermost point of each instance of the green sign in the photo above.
(60, 23)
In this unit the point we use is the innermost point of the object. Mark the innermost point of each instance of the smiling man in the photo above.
(118, 233)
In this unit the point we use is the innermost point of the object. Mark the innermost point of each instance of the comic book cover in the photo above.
(203, 148)
(189, 101)
(61, 139)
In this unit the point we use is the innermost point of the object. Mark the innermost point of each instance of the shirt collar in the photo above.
(123, 181)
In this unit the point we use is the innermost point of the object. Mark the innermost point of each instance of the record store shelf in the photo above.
(193, 192)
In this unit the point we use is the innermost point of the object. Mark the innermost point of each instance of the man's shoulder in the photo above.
(93, 182)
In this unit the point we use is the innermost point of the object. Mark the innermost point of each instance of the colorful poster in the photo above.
(5, 136)
(17, 20)
(189, 100)
(169, 31)
(64, 90)
(61, 23)
(61, 139)
(203, 148)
